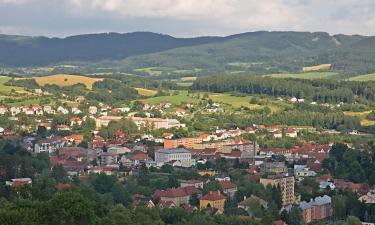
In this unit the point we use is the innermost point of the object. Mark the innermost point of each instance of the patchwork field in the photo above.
(309, 75)
(146, 92)
(66, 80)
(322, 67)
(7, 89)
(366, 77)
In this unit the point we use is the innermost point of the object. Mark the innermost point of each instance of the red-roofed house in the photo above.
(178, 196)
(214, 199)
(228, 188)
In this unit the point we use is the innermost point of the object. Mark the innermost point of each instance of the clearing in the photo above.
(63, 80)
(146, 92)
(321, 67)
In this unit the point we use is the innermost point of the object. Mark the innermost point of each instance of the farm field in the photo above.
(366, 77)
(66, 80)
(146, 92)
(174, 99)
(358, 114)
(7, 89)
(366, 122)
(308, 75)
(322, 67)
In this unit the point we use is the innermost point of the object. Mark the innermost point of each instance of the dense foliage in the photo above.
(326, 91)
(356, 166)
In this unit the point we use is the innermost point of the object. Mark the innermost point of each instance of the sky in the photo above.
(185, 18)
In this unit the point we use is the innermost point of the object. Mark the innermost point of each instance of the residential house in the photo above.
(49, 145)
(75, 121)
(194, 183)
(74, 139)
(229, 188)
(291, 132)
(214, 199)
(245, 204)
(62, 110)
(93, 110)
(19, 182)
(178, 196)
(368, 198)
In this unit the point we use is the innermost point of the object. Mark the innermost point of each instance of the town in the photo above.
(223, 171)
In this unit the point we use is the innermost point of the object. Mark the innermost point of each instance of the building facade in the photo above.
(167, 155)
(286, 184)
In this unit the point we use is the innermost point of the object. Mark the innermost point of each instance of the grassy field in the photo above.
(66, 80)
(188, 78)
(174, 99)
(7, 89)
(309, 75)
(322, 67)
(184, 84)
(237, 101)
(366, 77)
(146, 92)
(234, 101)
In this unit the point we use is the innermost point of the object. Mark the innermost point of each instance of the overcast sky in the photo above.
(185, 18)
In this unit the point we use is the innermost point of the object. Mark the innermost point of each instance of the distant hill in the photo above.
(41, 51)
(143, 52)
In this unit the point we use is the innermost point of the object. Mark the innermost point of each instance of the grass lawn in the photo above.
(309, 75)
(7, 89)
(66, 80)
(174, 99)
(146, 92)
(366, 77)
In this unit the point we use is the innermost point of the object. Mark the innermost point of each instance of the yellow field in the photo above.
(358, 114)
(146, 92)
(367, 122)
(321, 67)
(66, 80)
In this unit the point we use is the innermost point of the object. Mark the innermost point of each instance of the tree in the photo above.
(295, 216)
(69, 208)
(221, 164)
(352, 220)
(59, 173)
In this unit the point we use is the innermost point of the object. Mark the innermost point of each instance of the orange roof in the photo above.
(203, 136)
(227, 185)
(213, 196)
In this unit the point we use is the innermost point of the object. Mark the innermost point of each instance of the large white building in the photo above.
(179, 155)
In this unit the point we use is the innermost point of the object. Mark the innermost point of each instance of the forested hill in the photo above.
(248, 53)
(40, 51)
(269, 52)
